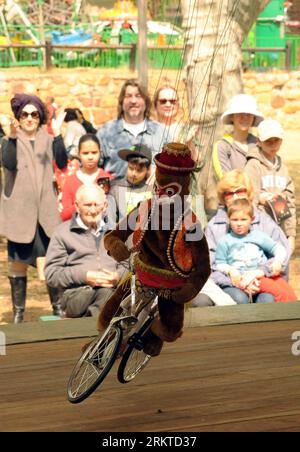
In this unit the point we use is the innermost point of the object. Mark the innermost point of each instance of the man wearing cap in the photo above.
(270, 176)
(132, 127)
(230, 152)
(173, 258)
(127, 193)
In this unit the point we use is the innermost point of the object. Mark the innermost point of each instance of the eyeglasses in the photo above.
(33, 114)
(165, 101)
(238, 191)
(91, 207)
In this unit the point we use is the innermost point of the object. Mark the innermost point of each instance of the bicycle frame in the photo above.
(137, 310)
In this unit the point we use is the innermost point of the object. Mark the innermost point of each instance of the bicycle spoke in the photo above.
(94, 364)
(87, 380)
(135, 365)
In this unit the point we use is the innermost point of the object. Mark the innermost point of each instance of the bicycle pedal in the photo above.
(136, 342)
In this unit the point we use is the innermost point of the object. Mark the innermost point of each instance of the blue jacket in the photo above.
(246, 252)
(219, 226)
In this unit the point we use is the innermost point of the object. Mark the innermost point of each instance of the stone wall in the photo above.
(95, 91)
(277, 94)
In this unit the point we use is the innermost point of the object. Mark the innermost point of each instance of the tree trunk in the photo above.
(215, 30)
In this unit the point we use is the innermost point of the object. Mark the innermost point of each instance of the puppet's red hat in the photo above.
(175, 159)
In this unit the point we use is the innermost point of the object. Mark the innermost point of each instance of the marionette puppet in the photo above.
(172, 254)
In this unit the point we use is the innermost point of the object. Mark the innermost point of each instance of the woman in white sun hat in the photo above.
(230, 152)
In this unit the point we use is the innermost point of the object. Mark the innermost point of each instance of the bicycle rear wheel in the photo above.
(94, 364)
(134, 359)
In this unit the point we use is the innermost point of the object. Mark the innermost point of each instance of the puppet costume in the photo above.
(173, 256)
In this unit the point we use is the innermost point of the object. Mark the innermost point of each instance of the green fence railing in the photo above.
(260, 50)
(164, 57)
(168, 57)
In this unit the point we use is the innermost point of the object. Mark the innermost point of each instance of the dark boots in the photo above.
(54, 295)
(18, 295)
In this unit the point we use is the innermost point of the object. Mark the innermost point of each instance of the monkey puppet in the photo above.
(173, 256)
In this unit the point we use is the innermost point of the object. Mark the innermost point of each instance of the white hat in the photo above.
(242, 103)
(269, 128)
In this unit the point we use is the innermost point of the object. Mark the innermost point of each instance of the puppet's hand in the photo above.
(118, 250)
(185, 294)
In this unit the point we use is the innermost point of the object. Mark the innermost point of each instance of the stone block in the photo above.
(109, 101)
(278, 101)
(61, 91)
(101, 116)
(291, 107)
(264, 98)
(280, 80)
(293, 94)
(78, 89)
(87, 102)
(263, 88)
(104, 81)
(250, 83)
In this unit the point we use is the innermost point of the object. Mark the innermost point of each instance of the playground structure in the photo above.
(100, 39)
(36, 23)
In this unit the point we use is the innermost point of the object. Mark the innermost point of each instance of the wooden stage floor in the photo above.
(219, 378)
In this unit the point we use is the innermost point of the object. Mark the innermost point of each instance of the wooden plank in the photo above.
(28, 332)
(229, 315)
(226, 378)
(85, 327)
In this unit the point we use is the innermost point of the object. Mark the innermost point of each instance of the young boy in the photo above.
(270, 177)
(243, 252)
(127, 193)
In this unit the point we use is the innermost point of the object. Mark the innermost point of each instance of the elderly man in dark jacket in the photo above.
(76, 260)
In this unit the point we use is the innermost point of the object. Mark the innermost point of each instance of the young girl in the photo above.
(231, 151)
(89, 173)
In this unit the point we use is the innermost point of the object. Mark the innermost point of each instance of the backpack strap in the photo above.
(215, 155)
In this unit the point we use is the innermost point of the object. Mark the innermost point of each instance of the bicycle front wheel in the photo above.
(134, 359)
(94, 364)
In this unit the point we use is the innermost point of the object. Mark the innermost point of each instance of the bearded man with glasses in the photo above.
(132, 127)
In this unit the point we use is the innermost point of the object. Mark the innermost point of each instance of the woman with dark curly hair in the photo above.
(28, 210)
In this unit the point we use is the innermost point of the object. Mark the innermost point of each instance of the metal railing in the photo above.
(98, 55)
(268, 57)
(114, 56)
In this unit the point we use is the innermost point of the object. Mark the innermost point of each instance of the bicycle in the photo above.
(122, 339)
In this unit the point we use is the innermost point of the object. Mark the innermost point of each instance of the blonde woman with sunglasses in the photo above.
(166, 104)
(28, 210)
(234, 185)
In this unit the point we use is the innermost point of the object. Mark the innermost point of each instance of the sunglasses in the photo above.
(33, 114)
(239, 191)
(165, 101)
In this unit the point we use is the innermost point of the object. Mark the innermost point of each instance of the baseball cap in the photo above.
(269, 128)
(138, 150)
